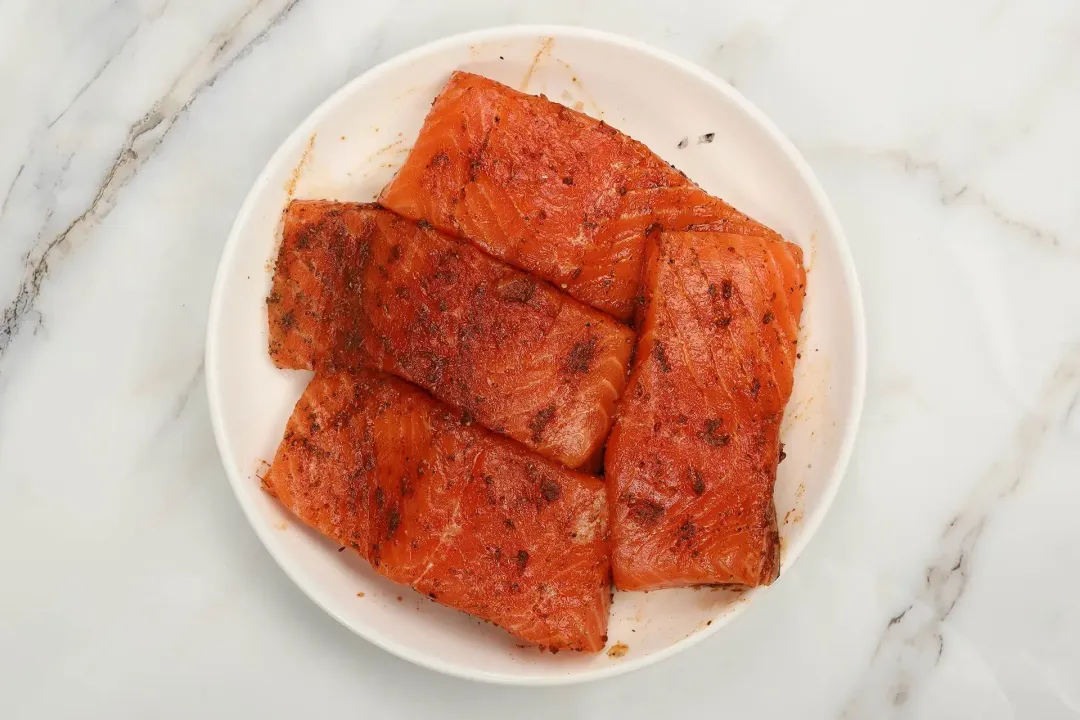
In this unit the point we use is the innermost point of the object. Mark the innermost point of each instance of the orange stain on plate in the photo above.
(618, 650)
(580, 89)
(545, 49)
(290, 187)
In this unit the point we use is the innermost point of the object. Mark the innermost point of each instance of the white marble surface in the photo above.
(943, 584)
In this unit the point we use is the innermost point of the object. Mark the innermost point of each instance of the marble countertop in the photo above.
(943, 584)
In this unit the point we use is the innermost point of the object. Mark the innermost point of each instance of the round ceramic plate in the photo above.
(350, 146)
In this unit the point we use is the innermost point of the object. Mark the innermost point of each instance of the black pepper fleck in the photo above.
(661, 357)
(687, 531)
(581, 356)
(540, 421)
(550, 490)
(712, 434)
(393, 521)
(698, 482)
(646, 512)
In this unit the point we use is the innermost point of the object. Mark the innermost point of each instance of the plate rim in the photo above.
(847, 264)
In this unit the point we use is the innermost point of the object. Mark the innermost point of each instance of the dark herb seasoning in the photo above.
(393, 522)
(661, 357)
(712, 435)
(646, 512)
(581, 355)
(540, 421)
(687, 531)
(520, 289)
(550, 490)
(697, 482)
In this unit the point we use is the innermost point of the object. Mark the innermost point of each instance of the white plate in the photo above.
(349, 148)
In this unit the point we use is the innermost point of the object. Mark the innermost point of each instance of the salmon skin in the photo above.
(691, 462)
(357, 286)
(549, 190)
(470, 519)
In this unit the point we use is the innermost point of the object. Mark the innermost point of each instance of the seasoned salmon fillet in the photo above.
(470, 519)
(692, 460)
(549, 190)
(357, 286)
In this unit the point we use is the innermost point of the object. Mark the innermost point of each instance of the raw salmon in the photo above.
(550, 190)
(466, 517)
(691, 462)
(357, 286)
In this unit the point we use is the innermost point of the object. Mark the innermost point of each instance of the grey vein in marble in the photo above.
(11, 187)
(226, 47)
(952, 192)
(182, 400)
(104, 66)
(913, 642)
(1067, 417)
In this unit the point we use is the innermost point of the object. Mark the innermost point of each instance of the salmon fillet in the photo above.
(357, 286)
(692, 460)
(549, 190)
(470, 519)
